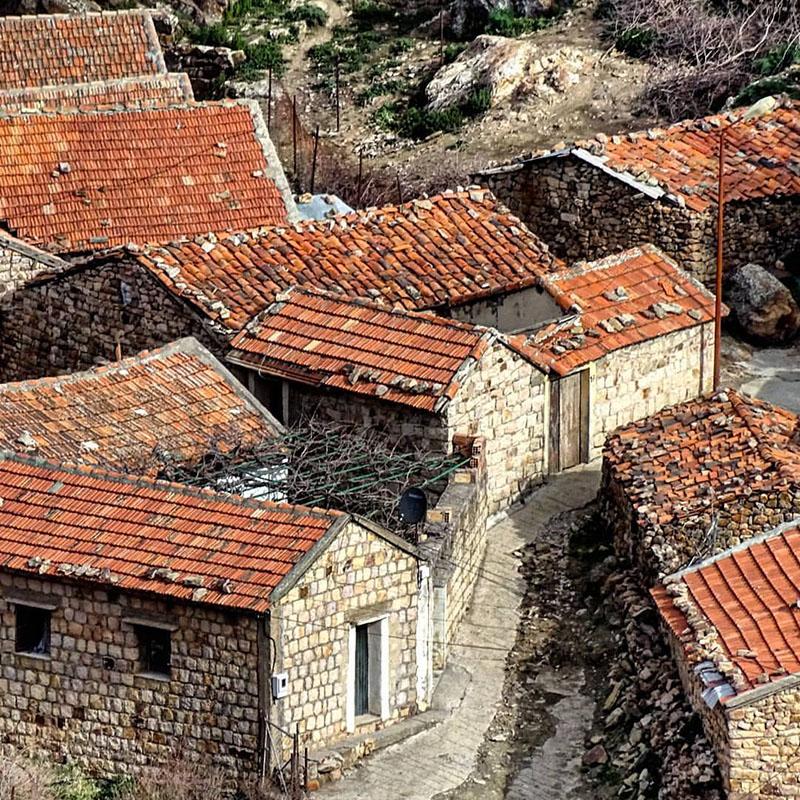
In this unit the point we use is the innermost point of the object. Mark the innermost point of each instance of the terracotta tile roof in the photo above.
(448, 249)
(178, 400)
(412, 358)
(150, 536)
(49, 49)
(739, 610)
(172, 87)
(616, 302)
(763, 157)
(83, 180)
(713, 449)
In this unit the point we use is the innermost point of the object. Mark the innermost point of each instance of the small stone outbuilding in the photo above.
(635, 334)
(732, 624)
(659, 186)
(176, 405)
(140, 620)
(418, 377)
(699, 477)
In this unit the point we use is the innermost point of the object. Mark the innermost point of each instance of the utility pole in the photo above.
(314, 159)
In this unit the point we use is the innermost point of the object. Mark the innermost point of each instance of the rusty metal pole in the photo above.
(399, 189)
(269, 101)
(338, 107)
(360, 174)
(441, 34)
(314, 160)
(720, 243)
(294, 134)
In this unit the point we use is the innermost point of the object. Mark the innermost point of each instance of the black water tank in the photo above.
(413, 506)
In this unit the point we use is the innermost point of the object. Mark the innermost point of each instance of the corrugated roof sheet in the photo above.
(740, 609)
(176, 402)
(49, 49)
(90, 179)
(449, 249)
(161, 89)
(150, 536)
(355, 346)
(616, 302)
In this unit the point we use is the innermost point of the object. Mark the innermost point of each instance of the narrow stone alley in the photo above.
(470, 693)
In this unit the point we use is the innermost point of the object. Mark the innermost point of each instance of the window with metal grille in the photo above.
(155, 650)
(33, 630)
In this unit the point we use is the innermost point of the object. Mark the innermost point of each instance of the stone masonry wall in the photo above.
(584, 213)
(17, 267)
(86, 701)
(502, 399)
(358, 578)
(75, 321)
(765, 747)
(637, 381)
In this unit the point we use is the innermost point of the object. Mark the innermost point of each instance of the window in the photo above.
(155, 650)
(33, 630)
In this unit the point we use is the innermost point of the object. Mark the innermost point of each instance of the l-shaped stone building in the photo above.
(659, 186)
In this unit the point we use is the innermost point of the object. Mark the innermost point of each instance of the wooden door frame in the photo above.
(554, 421)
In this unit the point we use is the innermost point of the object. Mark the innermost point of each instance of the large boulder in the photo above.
(506, 67)
(761, 305)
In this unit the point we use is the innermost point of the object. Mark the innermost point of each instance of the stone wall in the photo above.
(359, 578)
(639, 380)
(510, 312)
(76, 320)
(20, 263)
(88, 702)
(584, 213)
(502, 399)
(207, 67)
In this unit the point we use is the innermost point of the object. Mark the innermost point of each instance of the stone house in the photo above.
(458, 250)
(659, 186)
(699, 477)
(175, 405)
(422, 379)
(138, 617)
(635, 334)
(84, 179)
(732, 624)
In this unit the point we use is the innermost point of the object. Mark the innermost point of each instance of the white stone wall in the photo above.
(502, 399)
(639, 380)
(360, 577)
(17, 266)
(87, 701)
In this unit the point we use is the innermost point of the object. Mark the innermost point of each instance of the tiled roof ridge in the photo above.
(132, 108)
(32, 251)
(120, 12)
(473, 194)
(158, 484)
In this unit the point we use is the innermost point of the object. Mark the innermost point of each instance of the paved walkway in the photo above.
(469, 692)
(777, 376)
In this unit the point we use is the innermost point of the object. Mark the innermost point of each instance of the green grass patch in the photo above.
(504, 22)
(777, 59)
(314, 16)
(636, 42)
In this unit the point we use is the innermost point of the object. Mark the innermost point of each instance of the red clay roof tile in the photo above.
(763, 156)
(740, 609)
(150, 536)
(448, 249)
(177, 402)
(84, 180)
(50, 49)
(616, 302)
(167, 88)
(356, 346)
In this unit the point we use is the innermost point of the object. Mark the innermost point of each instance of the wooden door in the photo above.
(569, 420)
(362, 670)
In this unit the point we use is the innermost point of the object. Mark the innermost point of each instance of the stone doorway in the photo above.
(569, 420)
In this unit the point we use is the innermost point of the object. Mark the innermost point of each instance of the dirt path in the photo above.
(297, 67)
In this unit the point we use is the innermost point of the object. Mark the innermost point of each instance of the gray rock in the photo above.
(761, 305)
(594, 757)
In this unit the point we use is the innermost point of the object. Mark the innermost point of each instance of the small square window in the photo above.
(155, 650)
(33, 630)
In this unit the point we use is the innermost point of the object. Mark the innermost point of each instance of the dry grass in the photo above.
(25, 779)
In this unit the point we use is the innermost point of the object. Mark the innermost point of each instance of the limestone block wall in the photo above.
(88, 702)
(584, 213)
(765, 747)
(358, 579)
(76, 320)
(503, 400)
(18, 266)
(639, 380)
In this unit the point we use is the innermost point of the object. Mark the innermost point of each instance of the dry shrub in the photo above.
(177, 780)
(25, 779)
